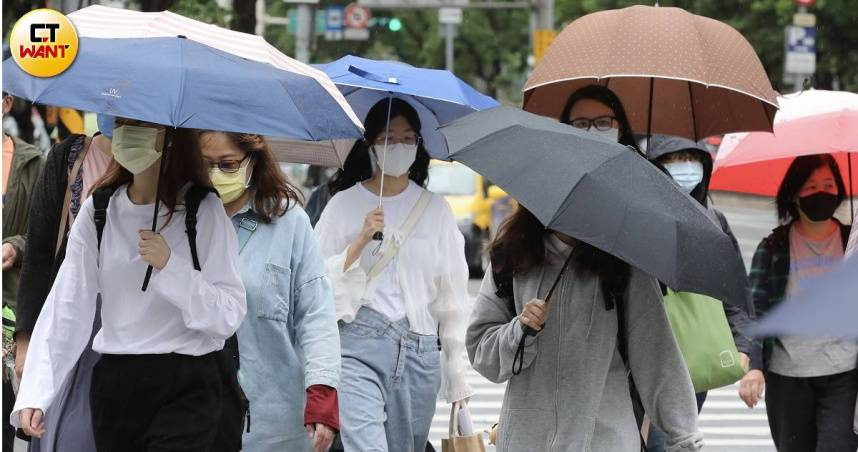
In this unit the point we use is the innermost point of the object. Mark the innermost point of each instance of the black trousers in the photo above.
(8, 403)
(812, 414)
(153, 403)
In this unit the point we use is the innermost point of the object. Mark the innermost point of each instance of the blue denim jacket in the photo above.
(289, 339)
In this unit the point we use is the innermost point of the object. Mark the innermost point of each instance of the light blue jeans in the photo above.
(388, 386)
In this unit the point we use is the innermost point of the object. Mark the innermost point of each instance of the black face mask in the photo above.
(819, 206)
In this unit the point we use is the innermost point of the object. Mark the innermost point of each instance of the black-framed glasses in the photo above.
(228, 166)
(602, 123)
(411, 140)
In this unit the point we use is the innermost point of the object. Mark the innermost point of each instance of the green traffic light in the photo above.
(394, 24)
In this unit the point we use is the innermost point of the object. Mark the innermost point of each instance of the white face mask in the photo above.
(399, 158)
(611, 134)
(687, 174)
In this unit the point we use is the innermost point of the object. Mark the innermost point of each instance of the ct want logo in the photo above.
(44, 43)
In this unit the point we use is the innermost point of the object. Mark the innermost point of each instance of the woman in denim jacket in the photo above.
(289, 343)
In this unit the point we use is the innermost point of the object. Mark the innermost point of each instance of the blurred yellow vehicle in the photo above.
(478, 206)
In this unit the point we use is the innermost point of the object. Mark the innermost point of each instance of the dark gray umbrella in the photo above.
(601, 193)
(825, 306)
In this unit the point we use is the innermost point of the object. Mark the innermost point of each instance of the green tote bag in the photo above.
(703, 334)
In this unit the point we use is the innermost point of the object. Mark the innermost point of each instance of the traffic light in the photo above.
(394, 24)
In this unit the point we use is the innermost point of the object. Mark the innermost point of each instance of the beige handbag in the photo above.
(458, 443)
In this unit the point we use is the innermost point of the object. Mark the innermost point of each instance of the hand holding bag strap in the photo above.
(410, 222)
(72, 177)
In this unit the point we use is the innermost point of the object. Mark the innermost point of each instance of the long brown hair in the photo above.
(273, 193)
(520, 246)
(183, 164)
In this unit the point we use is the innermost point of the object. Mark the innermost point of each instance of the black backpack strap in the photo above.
(193, 197)
(229, 358)
(503, 279)
(100, 201)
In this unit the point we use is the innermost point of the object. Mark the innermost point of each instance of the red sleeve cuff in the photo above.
(322, 407)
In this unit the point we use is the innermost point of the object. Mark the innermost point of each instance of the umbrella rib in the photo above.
(693, 114)
(768, 118)
(183, 75)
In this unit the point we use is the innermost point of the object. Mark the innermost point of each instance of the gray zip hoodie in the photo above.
(573, 392)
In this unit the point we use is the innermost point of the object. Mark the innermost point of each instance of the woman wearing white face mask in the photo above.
(400, 302)
(690, 166)
(158, 384)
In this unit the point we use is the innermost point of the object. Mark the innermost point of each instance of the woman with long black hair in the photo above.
(157, 385)
(569, 386)
(400, 301)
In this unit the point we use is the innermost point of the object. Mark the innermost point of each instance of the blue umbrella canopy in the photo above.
(825, 307)
(179, 82)
(438, 96)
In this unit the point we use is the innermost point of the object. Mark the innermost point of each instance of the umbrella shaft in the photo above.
(168, 141)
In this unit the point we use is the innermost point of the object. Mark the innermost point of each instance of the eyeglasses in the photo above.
(410, 140)
(602, 123)
(228, 166)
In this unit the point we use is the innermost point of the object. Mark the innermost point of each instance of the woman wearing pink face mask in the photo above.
(401, 301)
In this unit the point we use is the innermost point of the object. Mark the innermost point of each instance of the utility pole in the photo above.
(304, 32)
(449, 34)
(544, 34)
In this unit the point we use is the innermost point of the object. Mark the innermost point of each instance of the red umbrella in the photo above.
(809, 122)
(764, 178)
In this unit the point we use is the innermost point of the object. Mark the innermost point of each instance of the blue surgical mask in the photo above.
(687, 175)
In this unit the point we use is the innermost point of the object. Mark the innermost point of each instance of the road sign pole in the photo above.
(303, 33)
(448, 38)
(449, 19)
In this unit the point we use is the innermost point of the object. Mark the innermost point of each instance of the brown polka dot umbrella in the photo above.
(676, 73)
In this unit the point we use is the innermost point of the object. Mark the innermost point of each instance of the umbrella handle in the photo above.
(518, 360)
(378, 236)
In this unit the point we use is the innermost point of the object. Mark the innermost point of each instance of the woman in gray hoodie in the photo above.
(572, 391)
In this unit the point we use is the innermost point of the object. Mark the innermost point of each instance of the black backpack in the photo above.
(614, 294)
(236, 406)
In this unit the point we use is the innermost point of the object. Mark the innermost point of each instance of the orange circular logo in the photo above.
(44, 43)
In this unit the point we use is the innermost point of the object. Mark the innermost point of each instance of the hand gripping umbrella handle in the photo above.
(518, 360)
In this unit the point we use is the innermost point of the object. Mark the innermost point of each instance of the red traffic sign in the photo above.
(807, 3)
(357, 16)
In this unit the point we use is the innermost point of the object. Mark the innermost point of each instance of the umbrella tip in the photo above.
(182, 36)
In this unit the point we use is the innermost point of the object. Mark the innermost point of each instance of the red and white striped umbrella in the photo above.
(116, 23)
